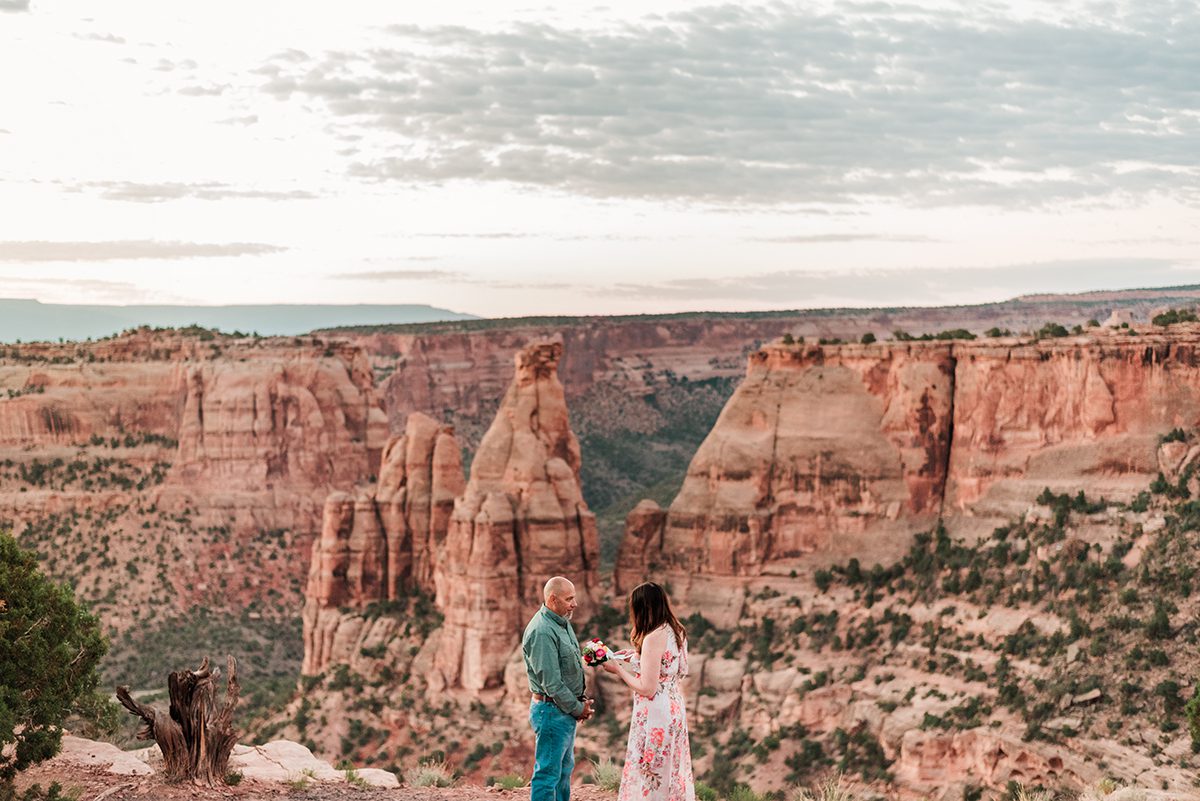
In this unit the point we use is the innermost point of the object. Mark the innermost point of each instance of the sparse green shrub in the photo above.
(829, 790)
(606, 774)
(1158, 627)
(1174, 435)
(1172, 316)
(353, 777)
(823, 578)
(1051, 331)
(430, 773)
(510, 781)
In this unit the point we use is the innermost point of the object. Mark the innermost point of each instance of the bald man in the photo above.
(555, 669)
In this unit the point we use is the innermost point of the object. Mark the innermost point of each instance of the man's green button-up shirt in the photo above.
(553, 661)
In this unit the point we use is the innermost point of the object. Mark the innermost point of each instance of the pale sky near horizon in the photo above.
(509, 159)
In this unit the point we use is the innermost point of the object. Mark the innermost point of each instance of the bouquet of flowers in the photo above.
(595, 652)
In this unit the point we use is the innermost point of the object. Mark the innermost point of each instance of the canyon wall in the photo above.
(830, 452)
(825, 453)
(458, 370)
(1066, 414)
(820, 450)
(183, 447)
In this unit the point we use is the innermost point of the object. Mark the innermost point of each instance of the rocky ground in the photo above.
(96, 784)
(87, 770)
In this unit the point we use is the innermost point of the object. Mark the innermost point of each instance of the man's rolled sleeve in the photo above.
(543, 658)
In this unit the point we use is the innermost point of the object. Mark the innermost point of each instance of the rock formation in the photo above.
(419, 478)
(1065, 414)
(196, 448)
(296, 423)
(521, 520)
(828, 452)
(486, 549)
(455, 371)
(382, 542)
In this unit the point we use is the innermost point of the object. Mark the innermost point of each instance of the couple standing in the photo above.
(658, 761)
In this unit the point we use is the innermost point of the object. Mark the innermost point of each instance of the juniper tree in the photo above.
(49, 648)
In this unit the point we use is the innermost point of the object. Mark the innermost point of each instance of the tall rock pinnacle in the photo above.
(521, 520)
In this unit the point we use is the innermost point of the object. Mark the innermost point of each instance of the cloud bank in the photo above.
(776, 104)
(44, 251)
(888, 287)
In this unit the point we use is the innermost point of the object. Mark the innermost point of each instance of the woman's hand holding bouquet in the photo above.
(595, 653)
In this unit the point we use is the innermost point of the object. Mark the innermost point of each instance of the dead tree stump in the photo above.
(196, 740)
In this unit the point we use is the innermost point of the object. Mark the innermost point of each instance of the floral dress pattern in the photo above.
(658, 760)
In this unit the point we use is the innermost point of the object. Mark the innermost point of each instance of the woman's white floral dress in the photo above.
(658, 761)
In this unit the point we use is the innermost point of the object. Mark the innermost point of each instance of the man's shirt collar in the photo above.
(557, 618)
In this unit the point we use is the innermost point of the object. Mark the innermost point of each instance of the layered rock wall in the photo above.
(828, 452)
(1067, 414)
(293, 422)
(459, 369)
(205, 458)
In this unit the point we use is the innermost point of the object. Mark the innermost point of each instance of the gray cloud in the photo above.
(161, 192)
(776, 104)
(166, 65)
(803, 239)
(404, 275)
(530, 235)
(799, 288)
(455, 277)
(249, 119)
(204, 90)
(42, 251)
(482, 235)
(102, 37)
(117, 291)
(14, 5)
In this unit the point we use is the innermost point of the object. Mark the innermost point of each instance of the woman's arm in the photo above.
(646, 683)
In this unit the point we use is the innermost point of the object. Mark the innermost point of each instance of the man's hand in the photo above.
(587, 712)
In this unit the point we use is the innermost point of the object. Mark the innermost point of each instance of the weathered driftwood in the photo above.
(196, 740)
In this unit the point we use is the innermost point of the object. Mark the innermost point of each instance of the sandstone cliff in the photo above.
(161, 471)
(828, 452)
(822, 452)
(381, 543)
(1085, 412)
(459, 369)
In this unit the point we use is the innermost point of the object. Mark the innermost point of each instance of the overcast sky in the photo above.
(506, 159)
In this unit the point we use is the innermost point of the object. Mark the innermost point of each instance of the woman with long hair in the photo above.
(658, 760)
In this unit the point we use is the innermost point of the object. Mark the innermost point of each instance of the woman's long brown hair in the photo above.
(650, 608)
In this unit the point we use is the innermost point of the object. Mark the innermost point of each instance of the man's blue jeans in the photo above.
(554, 756)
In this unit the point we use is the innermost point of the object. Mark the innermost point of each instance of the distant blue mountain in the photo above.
(31, 320)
